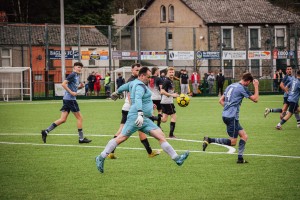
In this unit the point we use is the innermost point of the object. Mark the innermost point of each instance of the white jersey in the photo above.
(154, 85)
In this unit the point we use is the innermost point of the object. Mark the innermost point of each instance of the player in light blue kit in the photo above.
(231, 100)
(293, 90)
(138, 119)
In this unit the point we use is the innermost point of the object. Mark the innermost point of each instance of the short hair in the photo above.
(153, 70)
(119, 74)
(78, 64)
(170, 68)
(247, 77)
(143, 71)
(135, 65)
(298, 72)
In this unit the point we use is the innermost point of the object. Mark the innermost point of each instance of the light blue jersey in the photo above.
(294, 90)
(234, 95)
(73, 83)
(286, 80)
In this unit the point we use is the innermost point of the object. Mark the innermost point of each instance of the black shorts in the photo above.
(91, 86)
(168, 109)
(285, 100)
(233, 126)
(293, 107)
(70, 105)
(124, 116)
(157, 103)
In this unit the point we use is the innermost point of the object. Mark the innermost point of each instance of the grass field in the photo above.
(63, 169)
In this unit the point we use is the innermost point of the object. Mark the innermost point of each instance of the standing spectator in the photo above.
(86, 88)
(184, 82)
(107, 84)
(211, 82)
(91, 79)
(97, 83)
(120, 80)
(275, 81)
(231, 100)
(220, 83)
(281, 76)
(195, 78)
(163, 76)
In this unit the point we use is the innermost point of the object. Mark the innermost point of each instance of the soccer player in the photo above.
(138, 119)
(155, 85)
(231, 100)
(167, 104)
(71, 84)
(293, 89)
(135, 68)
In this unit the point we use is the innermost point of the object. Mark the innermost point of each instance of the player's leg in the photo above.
(79, 119)
(293, 107)
(145, 142)
(242, 143)
(172, 125)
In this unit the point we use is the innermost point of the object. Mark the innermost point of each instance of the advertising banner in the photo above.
(153, 55)
(125, 55)
(234, 55)
(259, 55)
(181, 55)
(208, 55)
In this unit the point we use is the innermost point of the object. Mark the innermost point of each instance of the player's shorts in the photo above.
(124, 116)
(91, 86)
(285, 100)
(233, 126)
(168, 109)
(97, 87)
(130, 127)
(70, 105)
(157, 103)
(293, 107)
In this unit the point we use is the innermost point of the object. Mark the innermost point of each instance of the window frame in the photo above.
(9, 57)
(231, 36)
(171, 16)
(259, 66)
(284, 38)
(163, 14)
(258, 37)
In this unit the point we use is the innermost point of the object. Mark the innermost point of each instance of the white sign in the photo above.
(234, 55)
(181, 55)
(259, 55)
(60, 91)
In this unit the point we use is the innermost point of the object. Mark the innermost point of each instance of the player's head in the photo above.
(78, 64)
(144, 74)
(155, 71)
(135, 68)
(77, 67)
(170, 72)
(247, 78)
(288, 70)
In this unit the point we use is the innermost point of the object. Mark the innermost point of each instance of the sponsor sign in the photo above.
(125, 55)
(56, 54)
(283, 54)
(234, 55)
(153, 55)
(208, 55)
(259, 55)
(181, 55)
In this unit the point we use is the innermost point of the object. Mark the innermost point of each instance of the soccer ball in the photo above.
(183, 100)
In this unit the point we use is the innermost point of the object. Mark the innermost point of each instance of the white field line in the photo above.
(230, 151)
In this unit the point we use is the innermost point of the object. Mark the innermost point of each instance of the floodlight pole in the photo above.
(62, 37)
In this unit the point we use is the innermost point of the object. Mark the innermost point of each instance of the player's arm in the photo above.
(65, 86)
(164, 92)
(123, 88)
(255, 96)
(222, 100)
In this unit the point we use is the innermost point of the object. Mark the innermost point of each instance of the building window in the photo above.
(255, 68)
(280, 35)
(163, 15)
(254, 37)
(170, 40)
(38, 77)
(92, 61)
(6, 58)
(228, 68)
(171, 13)
(227, 37)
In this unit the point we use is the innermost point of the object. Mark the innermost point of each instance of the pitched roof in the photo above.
(18, 34)
(240, 11)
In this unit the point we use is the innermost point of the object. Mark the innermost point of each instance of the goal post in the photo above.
(15, 83)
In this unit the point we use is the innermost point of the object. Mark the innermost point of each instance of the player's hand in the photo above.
(115, 95)
(175, 95)
(140, 119)
(255, 82)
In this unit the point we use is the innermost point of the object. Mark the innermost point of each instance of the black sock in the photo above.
(172, 128)
(80, 133)
(159, 119)
(276, 110)
(51, 127)
(220, 141)
(114, 148)
(146, 145)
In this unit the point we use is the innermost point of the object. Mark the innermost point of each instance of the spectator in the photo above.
(275, 81)
(195, 78)
(120, 80)
(91, 79)
(184, 82)
(220, 83)
(86, 87)
(107, 85)
(211, 81)
(163, 76)
(281, 76)
(97, 85)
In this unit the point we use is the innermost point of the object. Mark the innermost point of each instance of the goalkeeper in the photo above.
(137, 119)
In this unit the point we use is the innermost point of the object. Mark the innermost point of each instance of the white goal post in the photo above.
(15, 83)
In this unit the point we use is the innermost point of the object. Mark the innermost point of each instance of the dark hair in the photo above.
(78, 64)
(143, 71)
(135, 65)
(247, 77)
(154, 69)
(298, 72)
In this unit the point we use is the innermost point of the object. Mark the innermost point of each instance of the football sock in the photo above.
(276, 110)
(220, 141)
(172, 128)
(51, 127)
(153, 118)
(114, 148)
(111, 145)
(169, 150)
(146, 144)
(80, 133)
(242, 145)
(282, 122)
(297, 117)
(159, 119)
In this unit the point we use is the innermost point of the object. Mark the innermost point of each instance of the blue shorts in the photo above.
(130, 127)
(70, 105)
(233, 126)
(293, 107)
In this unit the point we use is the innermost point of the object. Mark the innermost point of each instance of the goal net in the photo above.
(15, 83)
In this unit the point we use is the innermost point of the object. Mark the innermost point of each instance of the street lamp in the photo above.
(135, 13)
